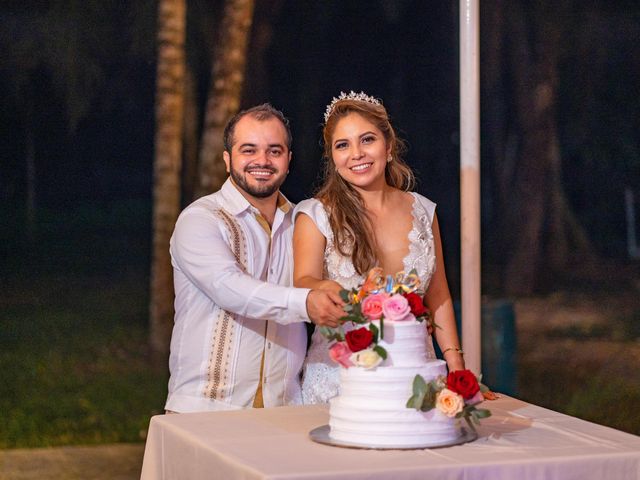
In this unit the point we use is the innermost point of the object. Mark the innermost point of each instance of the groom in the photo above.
(239, 336)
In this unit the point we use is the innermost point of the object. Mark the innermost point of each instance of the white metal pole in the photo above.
(470, 182)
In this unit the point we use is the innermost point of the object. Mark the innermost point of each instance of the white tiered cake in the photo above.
(371, 408)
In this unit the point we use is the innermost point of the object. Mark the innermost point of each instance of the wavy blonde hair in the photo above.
(348, 217)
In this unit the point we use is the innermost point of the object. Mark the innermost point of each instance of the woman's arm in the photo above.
(308, 256)
(438, 299)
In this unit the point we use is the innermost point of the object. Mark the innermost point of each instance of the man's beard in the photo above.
(260, 190)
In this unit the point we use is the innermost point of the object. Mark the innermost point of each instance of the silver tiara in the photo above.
(361, 97)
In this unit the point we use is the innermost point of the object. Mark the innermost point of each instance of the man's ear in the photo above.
(227, 160)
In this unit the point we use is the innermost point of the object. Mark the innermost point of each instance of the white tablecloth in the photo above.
(519, 442)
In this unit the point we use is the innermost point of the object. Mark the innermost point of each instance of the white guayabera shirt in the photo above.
(233, 305)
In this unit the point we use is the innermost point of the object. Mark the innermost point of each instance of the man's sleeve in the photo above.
(200, 251)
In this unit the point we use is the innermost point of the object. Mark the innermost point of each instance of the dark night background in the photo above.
(94, 117)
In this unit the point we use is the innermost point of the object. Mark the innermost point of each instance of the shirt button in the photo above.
(269, 345)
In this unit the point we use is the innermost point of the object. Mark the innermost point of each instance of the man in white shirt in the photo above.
(239, 336)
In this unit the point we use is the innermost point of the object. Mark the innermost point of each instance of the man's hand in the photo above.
(324, 308)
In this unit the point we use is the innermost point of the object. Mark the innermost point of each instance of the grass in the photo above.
(74, 362)
(599, 398)
(593, 377)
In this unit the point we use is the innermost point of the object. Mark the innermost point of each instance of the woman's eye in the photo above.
(368, 139)
(340, 145)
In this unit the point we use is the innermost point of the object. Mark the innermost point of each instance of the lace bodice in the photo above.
(320, 377)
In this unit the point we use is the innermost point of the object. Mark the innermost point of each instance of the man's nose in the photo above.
(263, 157)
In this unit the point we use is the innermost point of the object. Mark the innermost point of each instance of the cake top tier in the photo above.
(405, 343)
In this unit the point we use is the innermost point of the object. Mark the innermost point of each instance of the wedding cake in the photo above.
(391, 394)
(372, 406)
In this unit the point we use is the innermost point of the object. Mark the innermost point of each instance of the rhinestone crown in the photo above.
(361, 97)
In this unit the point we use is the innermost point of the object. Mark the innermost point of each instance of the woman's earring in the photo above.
(389, 158)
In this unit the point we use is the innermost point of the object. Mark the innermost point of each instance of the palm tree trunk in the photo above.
(534, 72)
(167, 164)
(191, 140)
(223, 101)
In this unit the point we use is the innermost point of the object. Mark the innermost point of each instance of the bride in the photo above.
(365, 216)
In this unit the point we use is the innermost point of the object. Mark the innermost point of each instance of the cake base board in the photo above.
(321, 435)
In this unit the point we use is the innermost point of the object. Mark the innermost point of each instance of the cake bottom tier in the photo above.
(390, 427)
(371, 409)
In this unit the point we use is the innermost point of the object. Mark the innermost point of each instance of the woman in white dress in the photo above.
(365, 216)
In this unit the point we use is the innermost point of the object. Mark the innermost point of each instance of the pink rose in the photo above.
(396, 308)
(340, 353)
(371, 306)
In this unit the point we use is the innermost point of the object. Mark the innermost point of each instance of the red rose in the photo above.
(358, 339)
(463, 382)
(415, 303)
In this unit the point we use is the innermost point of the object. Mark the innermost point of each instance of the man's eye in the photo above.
(276, 152)
(247, 151)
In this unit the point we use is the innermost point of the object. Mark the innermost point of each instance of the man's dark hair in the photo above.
(261, 113)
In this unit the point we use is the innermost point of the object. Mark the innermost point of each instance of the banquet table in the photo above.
(519, 441)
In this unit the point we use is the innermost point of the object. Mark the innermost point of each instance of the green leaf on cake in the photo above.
(481, 413)
(471, 425)
(374, 330)
(354, 318)
(344, 295)
(429, 401)
(380, 351)
(326, 332)
(419, 386)
(414, 402)
(331, 334)
(419, 391)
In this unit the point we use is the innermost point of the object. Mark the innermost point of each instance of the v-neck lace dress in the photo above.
(320, 380)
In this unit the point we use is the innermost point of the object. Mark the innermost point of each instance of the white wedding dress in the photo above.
(320, 380)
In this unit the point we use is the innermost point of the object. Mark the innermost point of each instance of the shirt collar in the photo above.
(236, 203)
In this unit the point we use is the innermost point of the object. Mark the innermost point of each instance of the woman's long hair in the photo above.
(349, 220)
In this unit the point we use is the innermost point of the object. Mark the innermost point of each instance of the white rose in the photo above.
(449, 403)
(366, 358)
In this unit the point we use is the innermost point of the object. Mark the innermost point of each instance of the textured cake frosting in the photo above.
(371, 408)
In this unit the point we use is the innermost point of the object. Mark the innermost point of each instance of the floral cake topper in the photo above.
(379, 298)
